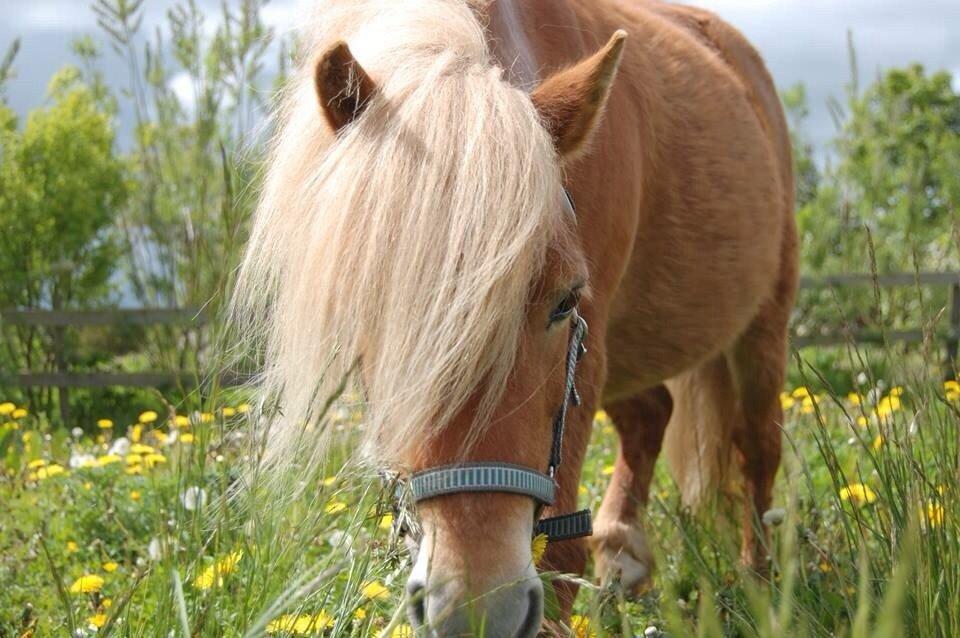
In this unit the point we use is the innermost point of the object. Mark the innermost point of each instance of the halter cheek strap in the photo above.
(516, 479)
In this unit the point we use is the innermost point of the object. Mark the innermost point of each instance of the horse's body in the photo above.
(686, 199)
(684, 223)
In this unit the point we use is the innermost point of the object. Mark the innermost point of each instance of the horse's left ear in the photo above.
(343, 87)
(571, 101)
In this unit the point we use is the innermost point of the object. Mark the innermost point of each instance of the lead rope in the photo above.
(570, 395)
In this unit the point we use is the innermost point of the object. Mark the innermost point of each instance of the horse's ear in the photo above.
(343, 87)
(571, 101)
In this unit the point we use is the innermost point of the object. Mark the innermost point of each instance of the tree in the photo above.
(61, 185)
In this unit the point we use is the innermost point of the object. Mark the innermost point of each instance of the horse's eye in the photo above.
(565, 308)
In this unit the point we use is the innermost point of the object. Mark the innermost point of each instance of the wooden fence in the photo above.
(196, 318)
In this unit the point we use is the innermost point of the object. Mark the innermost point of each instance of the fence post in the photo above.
(953, 339)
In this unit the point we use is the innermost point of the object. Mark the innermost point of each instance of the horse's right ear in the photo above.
(571, 101)
(343, 87)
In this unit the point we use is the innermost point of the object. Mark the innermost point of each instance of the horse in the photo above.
(454, 189)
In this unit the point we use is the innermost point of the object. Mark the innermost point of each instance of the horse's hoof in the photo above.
(621, 556)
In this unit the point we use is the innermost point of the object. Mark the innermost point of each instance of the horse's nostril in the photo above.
(415, 591)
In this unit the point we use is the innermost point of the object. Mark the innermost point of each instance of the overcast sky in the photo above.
(802, 40)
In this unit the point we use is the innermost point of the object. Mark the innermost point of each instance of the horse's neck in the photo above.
(527, 37)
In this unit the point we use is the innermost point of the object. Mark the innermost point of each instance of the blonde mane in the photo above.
(410, 240)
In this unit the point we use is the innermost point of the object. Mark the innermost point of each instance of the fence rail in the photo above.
(197, 318)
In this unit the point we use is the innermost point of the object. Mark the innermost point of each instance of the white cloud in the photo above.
(48, 15)
(182, 86)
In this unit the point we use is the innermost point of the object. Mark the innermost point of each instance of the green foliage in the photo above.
(61, 185)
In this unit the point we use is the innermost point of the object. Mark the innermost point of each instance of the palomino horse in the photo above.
(413, 227)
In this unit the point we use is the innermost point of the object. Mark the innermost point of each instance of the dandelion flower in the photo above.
(859, 494)
(581, 627)
(855, 398)
(206, 417)
(7, 408)
(402, 631)
(87, 584)
(19, 413)
(374, 590)
(243, 408)
(140, 448)
(213, 575)
(34, 464)
(935, 514)
(50, 471)
(147, 417)
(187, 438)
(538, 546)
(135, 433)
(154, 459)
(300, 624)
(335, 507)
(330, 480)
(108, 459)
(360, 614)
(134, 495)
(863, 421)
(72, 547)
(787, 401)
(228, 412)
(386, 521)
(97, 620)
(104, 424)
(110, 567)
(181, 421)
(807, 405)
(607, 470)
(878, 443)
(801, 393)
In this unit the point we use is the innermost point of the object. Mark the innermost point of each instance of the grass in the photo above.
(145, 543)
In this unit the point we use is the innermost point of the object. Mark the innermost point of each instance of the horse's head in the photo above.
(428, 244)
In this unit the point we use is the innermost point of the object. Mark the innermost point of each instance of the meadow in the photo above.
(159, 527)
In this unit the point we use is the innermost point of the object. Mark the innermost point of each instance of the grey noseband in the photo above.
(516, 479)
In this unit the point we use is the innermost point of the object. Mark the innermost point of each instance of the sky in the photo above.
(801, 40)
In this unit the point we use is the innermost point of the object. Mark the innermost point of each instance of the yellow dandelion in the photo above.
(97, 620)
(72, 547)
(374, 590)
(243, 408)
(87, 485)
(863, 421)
(108, 459)
(181, 421)
(140, 448)
(213, 575)
(402, 631)
(859, 494)
(106, 603)
(206, 417)
(154, 459)
(787, 401)
(952, 385)
(7, 408)
(104, 424)
(34, 464)
(147, 417)
(855, 398)
(135, 433)
(186, 438)
(953, 395)
(800, 393)
(50, 471)
(878, 443)
(935, 514)
(386, 521)
(330, 480)
(19, 413)
(27, 437)
(134, 495)
(133, 470)
(110, 566)
(807, 405)
(581, 627)
(87, 584)
(335, 507)
(228, 412)
(607, 470)
(582, 490)
(360, 614)
(896, 391)
(538, 547)
(825, 567)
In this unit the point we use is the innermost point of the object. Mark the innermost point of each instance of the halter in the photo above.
(516, 479)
